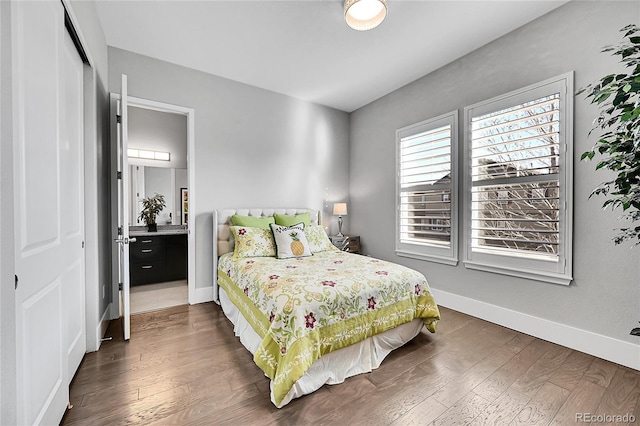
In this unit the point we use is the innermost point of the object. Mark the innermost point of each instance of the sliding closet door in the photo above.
(49, 259)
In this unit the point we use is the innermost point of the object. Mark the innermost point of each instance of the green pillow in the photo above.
(290, 220)
(252, 221)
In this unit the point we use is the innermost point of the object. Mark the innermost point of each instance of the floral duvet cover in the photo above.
(306, 307)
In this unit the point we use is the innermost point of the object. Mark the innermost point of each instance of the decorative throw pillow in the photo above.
(318, 239)
(253, 242)
(291, 241)
(290, 219)
(252, 221)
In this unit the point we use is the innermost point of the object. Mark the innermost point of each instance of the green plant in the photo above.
(618, 96)
(151, 207)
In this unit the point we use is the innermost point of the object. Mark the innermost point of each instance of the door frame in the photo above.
(189, 113)
(97, 276)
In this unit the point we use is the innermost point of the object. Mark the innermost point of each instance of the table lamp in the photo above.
(340, 209)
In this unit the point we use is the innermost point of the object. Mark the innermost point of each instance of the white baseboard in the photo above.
(101, 329)
(202, 295)
(614, 350)
(104, 323)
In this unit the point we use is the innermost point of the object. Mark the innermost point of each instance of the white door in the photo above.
(48, 237)
(72, 202)
(123, 208)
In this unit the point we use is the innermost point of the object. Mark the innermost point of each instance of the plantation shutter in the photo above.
(515, 179)
(425, 187)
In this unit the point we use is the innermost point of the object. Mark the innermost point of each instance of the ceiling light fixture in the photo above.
(364, 15)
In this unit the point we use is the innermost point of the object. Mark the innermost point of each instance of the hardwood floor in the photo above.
(184, 366)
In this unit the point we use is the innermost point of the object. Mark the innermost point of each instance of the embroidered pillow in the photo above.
(291, 241)
(252, 242)
(318, 239)
(290, 219)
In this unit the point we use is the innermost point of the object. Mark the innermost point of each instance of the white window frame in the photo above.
(553, 271)
(447, 255)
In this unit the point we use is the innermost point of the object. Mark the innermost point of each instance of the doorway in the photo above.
(157, 145)
(160, 146)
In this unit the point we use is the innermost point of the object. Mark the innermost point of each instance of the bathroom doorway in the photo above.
(157, 154)
(155, 157)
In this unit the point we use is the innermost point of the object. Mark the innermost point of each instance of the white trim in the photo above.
(92, 244)
(528, 267)
(201, 295)
(93, 280)
(214, 238)
(431, 258)
(191, 228)
(598, 345)
(547, 277)
(196, 295)
(104, 323)
(447, 255)
(101, 329)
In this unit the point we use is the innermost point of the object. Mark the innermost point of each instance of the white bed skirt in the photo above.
(334, 367)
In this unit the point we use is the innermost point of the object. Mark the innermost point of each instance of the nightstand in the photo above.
(350, 243)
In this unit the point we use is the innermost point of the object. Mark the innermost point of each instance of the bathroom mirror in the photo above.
(147, 181)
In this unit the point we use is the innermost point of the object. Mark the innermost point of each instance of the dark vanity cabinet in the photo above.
(158, 258)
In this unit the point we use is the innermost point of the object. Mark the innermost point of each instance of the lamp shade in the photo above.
(340, 209)
(364, 15)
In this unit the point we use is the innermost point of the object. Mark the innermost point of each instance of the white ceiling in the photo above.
(304, 48)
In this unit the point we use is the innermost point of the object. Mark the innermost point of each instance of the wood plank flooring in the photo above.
(184, 366)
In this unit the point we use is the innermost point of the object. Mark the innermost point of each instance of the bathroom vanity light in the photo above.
(148, 155)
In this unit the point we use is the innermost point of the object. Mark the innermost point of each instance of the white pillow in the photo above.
(291, 241)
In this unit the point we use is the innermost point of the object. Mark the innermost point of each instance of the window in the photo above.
(518, 182)
(426, 222)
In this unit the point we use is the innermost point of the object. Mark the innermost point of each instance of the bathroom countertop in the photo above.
(140, 231)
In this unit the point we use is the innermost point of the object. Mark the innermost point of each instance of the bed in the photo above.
(309, 313)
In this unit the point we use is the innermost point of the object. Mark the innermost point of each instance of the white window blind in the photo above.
(426, 199)
(518, 180)
(515, 175)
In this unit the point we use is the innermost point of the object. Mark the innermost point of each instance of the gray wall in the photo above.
(605, 295)
(253, 147)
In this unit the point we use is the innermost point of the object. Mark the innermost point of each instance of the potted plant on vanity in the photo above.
(151, 207)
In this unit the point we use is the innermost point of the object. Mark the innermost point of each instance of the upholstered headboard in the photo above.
(222, 241)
